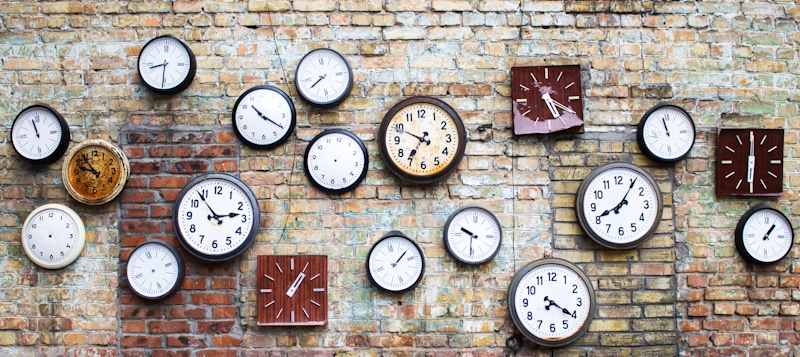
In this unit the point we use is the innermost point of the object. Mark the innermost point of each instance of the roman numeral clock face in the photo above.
(292, 290)
(166, 65)
(40, 134)
(750, 162)
(763, 235)
(323, 78)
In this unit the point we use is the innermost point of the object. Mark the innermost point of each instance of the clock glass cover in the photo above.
(155, 270)
(395, 263)
(473, 235)
(336, 161)
(166, 65)
(323, 77)
(764, 235)
(53, 236)
(666, 133)
(264, 117)
(40, 134)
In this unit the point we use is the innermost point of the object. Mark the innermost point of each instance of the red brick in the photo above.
(140, 226)
(745, 339)
(172, 352)
(696, 281)
(697, 339)
(189, 166)
(690, 325)
(212, 298)
(180, 312)
(226, 341)
(724, 325)
(220, 283)
(224, 312)
(148, 137)
(194, 284)
(696, 310)
(721, 339)
(169, 181)
(771, 323)
(145, 167)
(214, 326)
(170, 151)
(186, 341)
(169, 326)
(141, 312)
(214, 150)
(222, 353)
(134, 326)
(140, 341)
(193, 137)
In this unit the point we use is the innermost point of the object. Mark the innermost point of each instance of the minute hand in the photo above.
(624, 198)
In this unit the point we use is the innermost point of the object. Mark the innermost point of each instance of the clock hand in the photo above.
(766, 236)
(163, 73)
(664, 121)
(297, 282)
(159, 65)
(548, 101)
(265, 117)
(95, 172)
(562, 106)
(398, 259)
(553, 303)
(624, 198)
(213, 214)
(420, 138)
(34, 127)
(473, 235)
(751, 162)
(318, 80)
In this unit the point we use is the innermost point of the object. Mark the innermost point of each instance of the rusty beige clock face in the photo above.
(95, 172)
(292, 290)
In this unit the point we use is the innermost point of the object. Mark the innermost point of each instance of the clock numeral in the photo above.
(551, 276)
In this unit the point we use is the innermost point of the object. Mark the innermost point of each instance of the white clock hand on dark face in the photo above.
(297, 282)
(751, 162)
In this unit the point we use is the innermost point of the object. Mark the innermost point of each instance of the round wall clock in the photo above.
(155, 270)
(323, 78)
(53, 236)
(336, 161)
(40, 134)
(264, 117)
(95, 172)
(166, 65)
(551, 301)
(395, 263)
(763, 235)
(422, 139)
(666, 133)
(619, 205)
(216, 217)
(473, 235)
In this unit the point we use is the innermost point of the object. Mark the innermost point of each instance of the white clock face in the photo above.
(37, 133)
(336, 161)
(166, 65)
(473, 235)
(264, 116)
(154, 270)
(395, 263)
(53, 236)
(551, 303)
(667, 133)
(215, 217)
(764, 235)
(619, 205)
(323, 77)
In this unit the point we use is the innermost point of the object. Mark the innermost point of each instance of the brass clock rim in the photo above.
(75, 254)
(640, 139)
(181, 270)
(739, 234)
(338, 100)
(361, 146)
(398, 234)
(447, 230)
(511, 300)
(422, 179)
(186, 81)
(63, 143)
(282, 139)
(123, 178)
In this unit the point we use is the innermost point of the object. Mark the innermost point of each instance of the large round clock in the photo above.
(666, 133)
(763, 235)
(40, 134)
(216, 217)
(551, 301)
(619, 205)
(395, 263)
(155, 270)
(166, 65)
(336, 161)
(422, 139)
(323, 78)
(53, 236)
(264, 117)
(473, 235)
(95, 172)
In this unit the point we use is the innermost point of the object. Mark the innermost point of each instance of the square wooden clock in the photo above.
(292, 290)
(546, 99)
(750, 162)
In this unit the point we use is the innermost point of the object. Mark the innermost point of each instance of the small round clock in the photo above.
(323, 78)
(551, 301)
(53, 236)
(216, 217)
(619, 205)
(40, 134)
(395, 263)
(336, 161)
(763, 235)
(264, 117)
(166, 65)
(95, 172)
(473, 235)
(666, 133)
(155, 270)
(422, 139)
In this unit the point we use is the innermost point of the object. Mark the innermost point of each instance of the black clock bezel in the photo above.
(63, 143)
(336, 101)
(364, 169)
(183, 84)
(178, 281)
(447, 231)
(739, 234)
(643, 144)
(398, 234)
(280, 140)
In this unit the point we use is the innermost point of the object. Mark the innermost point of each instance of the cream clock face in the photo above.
(53, 236)
(764, 235)
(336, 161)
(473, 235)
(264, 117)
(395, 263)
(166, 65)
(155, 270)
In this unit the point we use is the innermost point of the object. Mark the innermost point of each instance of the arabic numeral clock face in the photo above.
(53, 236)
(40, 134)
(155, 270)
(546, 99)
(264, 117)
(763, 235)
(666, 133)
(395, 263)
(473, 235)
(323, 78)
(216, 217)
(422, 139)
(166, 65)
(619, 205)
(336, 161)
(95, 172)
(749, 162)
(551, 301)
(292, 290)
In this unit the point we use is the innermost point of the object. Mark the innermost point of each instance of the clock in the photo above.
(53, 236)
(546, 99)
(323, 78)
(292, 290)
(619, 205)
(155, 270)
(395, 263)
(763, 235)
(263, 117)
(422, 139)
(666, 133)
(750, 162)
(551, 301)
(473, 235)
(216, 217)
(40, 134)
(166, 65)
(95, 172)
(336, 161)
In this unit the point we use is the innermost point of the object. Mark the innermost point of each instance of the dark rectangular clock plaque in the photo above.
(749, 162)
(292, 290)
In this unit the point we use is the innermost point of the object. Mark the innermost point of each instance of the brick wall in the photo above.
(685, 291)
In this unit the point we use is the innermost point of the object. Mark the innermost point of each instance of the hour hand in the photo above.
(260, 114)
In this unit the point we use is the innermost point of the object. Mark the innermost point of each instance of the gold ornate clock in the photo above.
(750, 162)
(292, 290)
(546, 99)
(95, 172)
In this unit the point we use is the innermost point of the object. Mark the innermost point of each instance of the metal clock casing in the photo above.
(166, 65)
(473, 235)
(395, 263)
(53, 236)
(336, 161)
(763, 235)
(40, 134)
(155, 270)
(264, 117)
(323, 78)
(95, 172)
(666, 133)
